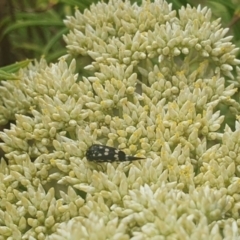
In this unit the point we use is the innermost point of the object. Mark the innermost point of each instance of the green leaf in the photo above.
(7, 72)
(16, 66)
(8, 76)
(35, 23)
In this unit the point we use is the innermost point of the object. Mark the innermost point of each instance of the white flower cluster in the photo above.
(157, 88)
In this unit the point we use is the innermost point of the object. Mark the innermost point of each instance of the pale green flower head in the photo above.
(155, 85)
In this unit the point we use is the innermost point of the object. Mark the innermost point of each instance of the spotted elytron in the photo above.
(101, 153)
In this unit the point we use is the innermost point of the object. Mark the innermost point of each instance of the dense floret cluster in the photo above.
(156, 82)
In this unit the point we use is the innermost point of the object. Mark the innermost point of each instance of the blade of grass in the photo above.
(34, 23)
(15, 67)
(8, 76)
(53, 40)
